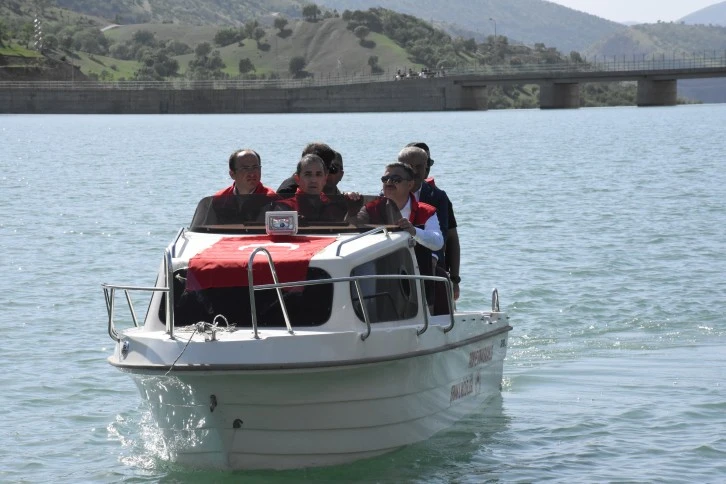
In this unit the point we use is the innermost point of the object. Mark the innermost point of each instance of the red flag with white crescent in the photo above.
(224, 264)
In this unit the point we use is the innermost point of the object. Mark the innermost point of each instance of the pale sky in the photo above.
(647, 11)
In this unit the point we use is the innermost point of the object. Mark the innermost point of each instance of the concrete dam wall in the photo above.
(408, 95)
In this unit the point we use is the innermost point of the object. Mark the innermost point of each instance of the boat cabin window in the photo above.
(386, 299)
(306, 306)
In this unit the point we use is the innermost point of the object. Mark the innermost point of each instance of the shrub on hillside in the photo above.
(297, 66)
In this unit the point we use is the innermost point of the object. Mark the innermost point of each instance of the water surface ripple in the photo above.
(604, 230)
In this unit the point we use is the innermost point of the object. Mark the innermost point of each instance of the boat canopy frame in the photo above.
(170, 251)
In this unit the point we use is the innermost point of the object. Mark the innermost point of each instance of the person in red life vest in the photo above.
(246, 200)
(417, 218)
(398, 206)
(309, 200)
(333, 165)
(245, 168)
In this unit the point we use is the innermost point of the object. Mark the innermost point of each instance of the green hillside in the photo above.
(327, 46)
(528, 21)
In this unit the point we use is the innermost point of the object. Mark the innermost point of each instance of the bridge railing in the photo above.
(595, 64)
(599, 64)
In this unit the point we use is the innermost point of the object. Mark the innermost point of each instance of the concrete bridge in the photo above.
(458, 89)
(560, 83)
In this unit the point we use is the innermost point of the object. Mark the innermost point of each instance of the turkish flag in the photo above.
(224, 264)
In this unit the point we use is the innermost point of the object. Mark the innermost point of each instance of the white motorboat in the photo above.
(310, 345)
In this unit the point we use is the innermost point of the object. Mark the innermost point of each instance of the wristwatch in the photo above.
(455, 279)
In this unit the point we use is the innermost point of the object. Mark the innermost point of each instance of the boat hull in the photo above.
(293, 418)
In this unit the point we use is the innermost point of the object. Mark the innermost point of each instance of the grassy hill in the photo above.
(328, 47)
(713, 15)
(528, 21)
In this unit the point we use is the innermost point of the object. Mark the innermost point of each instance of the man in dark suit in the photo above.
(448, 259)
(452, 259)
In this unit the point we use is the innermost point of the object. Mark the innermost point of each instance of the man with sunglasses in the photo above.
(448, 259)
(245, 168)
(335, 174)
(398, 206)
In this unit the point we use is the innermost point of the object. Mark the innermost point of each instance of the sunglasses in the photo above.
(334, 169)
(393, 179)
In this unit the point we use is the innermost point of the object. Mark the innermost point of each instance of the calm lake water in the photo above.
(603, 229)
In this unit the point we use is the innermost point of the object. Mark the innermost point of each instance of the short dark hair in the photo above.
(310, 158)
(233, 157)
(425, 147)
(405, 167)
(338, 157)
(325, 152)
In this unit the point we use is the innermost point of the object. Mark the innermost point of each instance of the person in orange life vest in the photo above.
(448, 259)
(245, 168)
(309, 200)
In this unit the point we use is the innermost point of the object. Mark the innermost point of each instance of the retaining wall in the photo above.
(408, 95)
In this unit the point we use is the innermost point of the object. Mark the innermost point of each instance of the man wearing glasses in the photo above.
(399, 206)
(245, 168)
(335, 174)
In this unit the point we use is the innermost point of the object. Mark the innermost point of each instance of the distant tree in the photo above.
(227, 36)
(65, 39)
(41, 5)
(373, 63)
(26, 34)
(50, 42)
(280, 23)
(203, 49)
(177, 47)
(246, 65)
(250, 27)
(576, 57)
(155, 66)
(347, 14)
(258, 34)
(310, 12)
(470, 45)
(361, 32)
(3, 29)
(207, 64)
(144, 37)
(297, 65)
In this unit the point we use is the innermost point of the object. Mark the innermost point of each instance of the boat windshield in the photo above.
(246, 213)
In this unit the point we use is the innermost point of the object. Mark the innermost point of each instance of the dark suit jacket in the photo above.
(438, 198)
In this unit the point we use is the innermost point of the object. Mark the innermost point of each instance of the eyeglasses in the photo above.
(393, 179)
(248, 168)
(334, 169)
